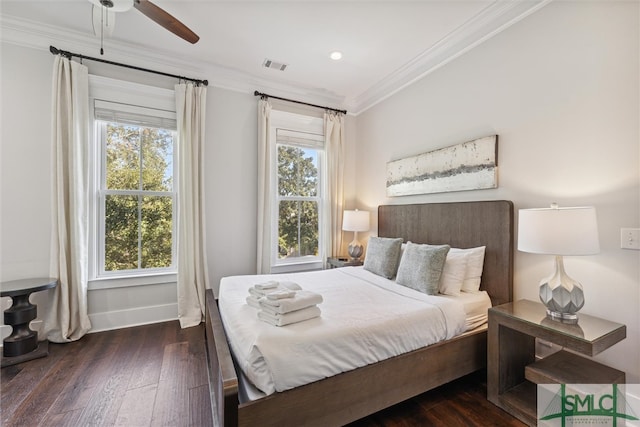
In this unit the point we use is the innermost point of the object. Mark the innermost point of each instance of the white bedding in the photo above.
(476, 307)
(364, 319)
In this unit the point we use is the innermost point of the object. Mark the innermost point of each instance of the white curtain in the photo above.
(334, 147)
(192, 257)
(66, 318)
(264, 188)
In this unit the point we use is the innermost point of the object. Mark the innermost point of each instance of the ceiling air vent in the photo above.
(268, 63)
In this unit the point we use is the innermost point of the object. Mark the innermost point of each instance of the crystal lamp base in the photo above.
(355, 250)
(562, 295)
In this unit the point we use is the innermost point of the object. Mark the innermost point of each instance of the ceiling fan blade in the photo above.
(164, 19)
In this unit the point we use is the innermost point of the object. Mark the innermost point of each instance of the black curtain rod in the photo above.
(264, 95)
(56, 51)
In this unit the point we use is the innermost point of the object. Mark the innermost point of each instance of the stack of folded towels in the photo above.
(283, 303)
(262, 289)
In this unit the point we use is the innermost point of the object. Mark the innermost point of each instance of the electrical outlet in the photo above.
(630, 238)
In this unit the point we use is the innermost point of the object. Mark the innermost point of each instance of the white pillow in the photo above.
(453, 273)
(475, 263)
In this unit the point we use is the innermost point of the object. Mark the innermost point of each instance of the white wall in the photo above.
(231, 184)
(561, 90)
(24, 166)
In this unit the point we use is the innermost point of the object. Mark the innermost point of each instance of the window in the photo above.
(298, 168)
(136, 196)
(135, 189)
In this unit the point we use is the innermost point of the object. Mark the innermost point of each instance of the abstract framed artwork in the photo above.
(472, 165)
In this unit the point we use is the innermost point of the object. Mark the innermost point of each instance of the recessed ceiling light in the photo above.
(336, 55)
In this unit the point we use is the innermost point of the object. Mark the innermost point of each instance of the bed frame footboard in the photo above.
(342, 398)
(223, 381)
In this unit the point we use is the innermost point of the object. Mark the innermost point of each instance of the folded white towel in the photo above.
(253, 301)
(267, 309)
(284, 285)
(267, 285)
(290, 285)
(289, 318)
(281, 294)
(302, 299)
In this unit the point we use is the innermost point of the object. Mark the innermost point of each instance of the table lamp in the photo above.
(559, 231)
(355, 221)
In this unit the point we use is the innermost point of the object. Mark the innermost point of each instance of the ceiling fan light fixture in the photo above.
(104, 21)
(151, 11)
(114, 5)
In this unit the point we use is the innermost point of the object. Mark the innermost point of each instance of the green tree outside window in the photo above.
(298, 204)
(138, 210)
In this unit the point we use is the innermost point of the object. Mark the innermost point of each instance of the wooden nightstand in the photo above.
(336, 262)
(512, 369)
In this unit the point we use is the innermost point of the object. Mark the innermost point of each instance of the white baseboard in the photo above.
(134, 317)
(116, 319)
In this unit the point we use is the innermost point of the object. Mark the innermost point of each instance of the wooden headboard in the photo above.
(461, 225)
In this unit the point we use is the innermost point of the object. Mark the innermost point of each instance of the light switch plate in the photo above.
(630, 238)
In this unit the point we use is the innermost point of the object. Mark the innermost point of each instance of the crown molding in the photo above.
(36, 35)
(490, 21)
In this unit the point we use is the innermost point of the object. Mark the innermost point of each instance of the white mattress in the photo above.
(476, 307)
(365, 318)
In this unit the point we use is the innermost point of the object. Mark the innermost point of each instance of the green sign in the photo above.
(585, 404)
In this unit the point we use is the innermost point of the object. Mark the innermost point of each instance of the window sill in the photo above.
(297, 266)
(128, 281)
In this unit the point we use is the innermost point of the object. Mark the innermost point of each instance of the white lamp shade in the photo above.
(558, 231)
(355, 220)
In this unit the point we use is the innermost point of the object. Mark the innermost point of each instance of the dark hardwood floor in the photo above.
(147, 375)
(155, 375)
(462, 402)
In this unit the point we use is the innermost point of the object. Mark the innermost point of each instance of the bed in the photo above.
(351, 395)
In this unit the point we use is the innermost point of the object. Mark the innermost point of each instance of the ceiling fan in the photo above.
(150, 10)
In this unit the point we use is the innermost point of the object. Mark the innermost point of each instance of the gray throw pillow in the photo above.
(421, 267)
(382, 256)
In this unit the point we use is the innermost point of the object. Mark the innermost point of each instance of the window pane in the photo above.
(297, 229)
(156, 231)
(123, 157)
(157, 159)
(121, 233)
(297, 171)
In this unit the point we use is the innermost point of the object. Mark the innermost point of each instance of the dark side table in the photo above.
(337, 262)
(22, 344)
(513, 372)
